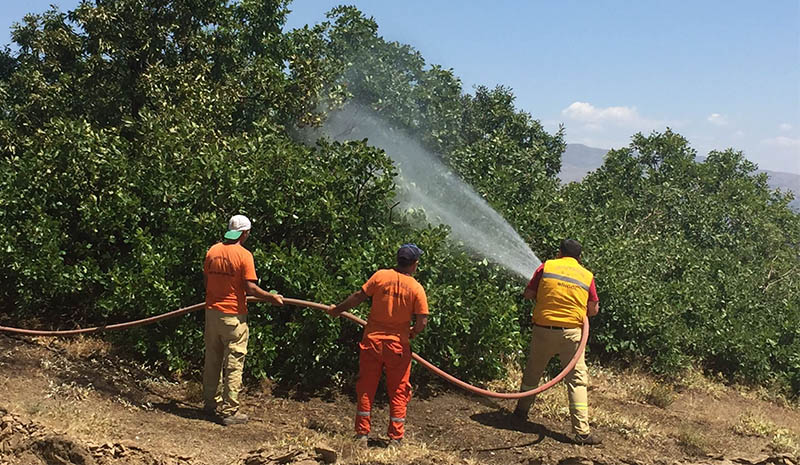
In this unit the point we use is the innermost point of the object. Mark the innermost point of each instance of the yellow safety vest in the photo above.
(562, 294)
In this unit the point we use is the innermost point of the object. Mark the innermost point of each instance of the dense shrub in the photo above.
(696, 261)
(130, 131)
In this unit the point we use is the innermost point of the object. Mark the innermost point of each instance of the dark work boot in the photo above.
(520, 415)
(586, 440)
(394, 443)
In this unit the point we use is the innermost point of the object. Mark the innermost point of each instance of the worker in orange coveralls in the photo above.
(396, 298)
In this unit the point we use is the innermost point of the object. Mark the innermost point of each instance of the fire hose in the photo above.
(304, 303)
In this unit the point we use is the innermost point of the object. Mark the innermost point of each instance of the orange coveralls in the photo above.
(395, 298)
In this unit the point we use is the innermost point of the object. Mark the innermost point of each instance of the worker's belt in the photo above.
(551, 327)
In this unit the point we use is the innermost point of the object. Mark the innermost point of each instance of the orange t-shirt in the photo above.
(226, 267)
(395, 298)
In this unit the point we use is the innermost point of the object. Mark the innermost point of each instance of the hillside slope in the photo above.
(74, 401)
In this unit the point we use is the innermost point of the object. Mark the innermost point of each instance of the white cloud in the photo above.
(607, 127)
(717, 119)
(783, 142)
(589, 114)
(612, 127)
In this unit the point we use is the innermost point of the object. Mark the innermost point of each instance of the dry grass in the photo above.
(766, 394)
(628, 385)
(629, 428)
(660, 395)
(82, 346)
(73, 417)
(511, 381)
(618, 410)
(79, 346)
(693, 441)
(193, 391)
(411, 452)
(781, 439)
(717, 387)
(84, 421)
(633, 385)
(68, 391)
(644, 389)
(784, 442)
(695, 379)
(552, 404)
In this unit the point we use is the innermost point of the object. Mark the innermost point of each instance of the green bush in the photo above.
(130, 131)
(695, 262)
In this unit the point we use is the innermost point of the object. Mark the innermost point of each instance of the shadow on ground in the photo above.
(501, 419)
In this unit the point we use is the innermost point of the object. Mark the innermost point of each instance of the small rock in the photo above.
(286, 458)
(327, 453)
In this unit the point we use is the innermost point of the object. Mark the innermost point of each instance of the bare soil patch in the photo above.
(74, 402)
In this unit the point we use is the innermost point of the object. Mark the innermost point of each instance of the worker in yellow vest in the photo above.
(565, 293)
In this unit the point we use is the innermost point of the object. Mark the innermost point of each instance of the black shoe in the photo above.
(586, 440)
(520, 415)
(393, 443)
(210, 413)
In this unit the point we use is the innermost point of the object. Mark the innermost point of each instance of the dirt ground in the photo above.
(70, 401)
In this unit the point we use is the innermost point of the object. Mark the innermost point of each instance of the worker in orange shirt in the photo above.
(396, 298)
(565, 293)
(229, 274)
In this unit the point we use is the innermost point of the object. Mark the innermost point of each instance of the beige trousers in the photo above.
(226, 346)
(545, 343)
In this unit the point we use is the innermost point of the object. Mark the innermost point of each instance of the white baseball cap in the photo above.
(236, 225)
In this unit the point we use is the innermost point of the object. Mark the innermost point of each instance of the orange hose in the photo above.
(349, 316)
(447, 376)
(130, 324)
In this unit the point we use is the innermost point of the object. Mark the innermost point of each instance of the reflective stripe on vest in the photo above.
(566, 279)
(562, 294)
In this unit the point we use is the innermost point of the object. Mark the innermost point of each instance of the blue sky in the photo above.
(721, 73)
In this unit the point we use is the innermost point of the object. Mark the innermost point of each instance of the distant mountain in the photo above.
(785, 182)
(578, 160)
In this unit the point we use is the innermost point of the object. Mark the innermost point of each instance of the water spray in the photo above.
(427, 185)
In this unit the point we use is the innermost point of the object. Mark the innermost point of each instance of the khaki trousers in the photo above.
(545, 343)
(226, 346)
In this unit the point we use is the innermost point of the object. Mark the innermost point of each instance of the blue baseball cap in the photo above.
(409, 252)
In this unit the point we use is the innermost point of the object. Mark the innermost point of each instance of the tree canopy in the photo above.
(131, 130)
